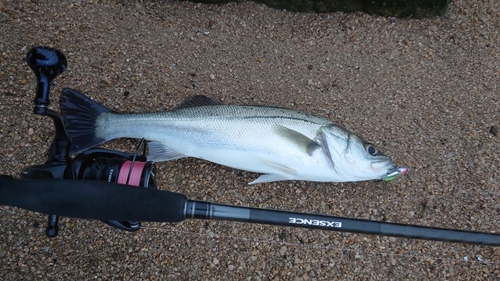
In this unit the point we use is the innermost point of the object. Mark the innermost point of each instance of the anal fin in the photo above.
(159, 152)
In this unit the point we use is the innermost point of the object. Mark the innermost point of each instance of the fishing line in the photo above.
(131, 173)
(422, 258)
(135, 169)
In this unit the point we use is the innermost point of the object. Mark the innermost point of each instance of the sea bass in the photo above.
(281, 144)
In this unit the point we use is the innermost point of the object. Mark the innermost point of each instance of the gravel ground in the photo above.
(425, 91)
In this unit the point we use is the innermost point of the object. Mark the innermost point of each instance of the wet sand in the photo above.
(424, 91)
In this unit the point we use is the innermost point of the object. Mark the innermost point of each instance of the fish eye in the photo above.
(371, 149)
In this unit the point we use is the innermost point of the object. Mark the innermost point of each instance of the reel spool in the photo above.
(114, 166)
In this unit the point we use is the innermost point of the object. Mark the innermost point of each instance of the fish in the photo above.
(279, 143)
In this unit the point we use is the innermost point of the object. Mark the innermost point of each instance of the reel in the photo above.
(117, 167)
(94, 164)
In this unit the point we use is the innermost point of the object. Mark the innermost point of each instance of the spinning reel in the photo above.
(94, 164)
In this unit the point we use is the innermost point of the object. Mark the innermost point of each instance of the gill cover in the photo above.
(352, 157)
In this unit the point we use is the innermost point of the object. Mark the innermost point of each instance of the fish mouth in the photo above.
(394, 172)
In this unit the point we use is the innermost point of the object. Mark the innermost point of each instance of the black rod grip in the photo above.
(91, 199)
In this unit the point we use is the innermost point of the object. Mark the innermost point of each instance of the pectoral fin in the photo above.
(159, 152)
(304, 143)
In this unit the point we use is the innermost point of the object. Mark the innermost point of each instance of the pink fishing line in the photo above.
(135, 174)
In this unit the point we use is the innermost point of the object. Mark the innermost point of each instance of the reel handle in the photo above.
(47, 63)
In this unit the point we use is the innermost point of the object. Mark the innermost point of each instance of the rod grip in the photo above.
(92, 199)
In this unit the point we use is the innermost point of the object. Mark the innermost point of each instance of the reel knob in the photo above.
(47, 63)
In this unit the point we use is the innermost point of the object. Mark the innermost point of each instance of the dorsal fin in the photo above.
(198, 100)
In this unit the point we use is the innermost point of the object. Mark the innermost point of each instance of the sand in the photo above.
(424, 91)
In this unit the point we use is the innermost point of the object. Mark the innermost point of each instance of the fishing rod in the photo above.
(100, 200)
(119, 188)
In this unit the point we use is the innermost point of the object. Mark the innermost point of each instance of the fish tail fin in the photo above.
(80, 115)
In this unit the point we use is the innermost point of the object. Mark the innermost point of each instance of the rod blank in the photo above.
(206, 210)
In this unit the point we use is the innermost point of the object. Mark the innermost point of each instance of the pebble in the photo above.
(283, 250)
(494, 130)
(107, 81)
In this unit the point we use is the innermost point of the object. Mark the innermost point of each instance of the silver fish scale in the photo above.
(237, 111)
(231, 127)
